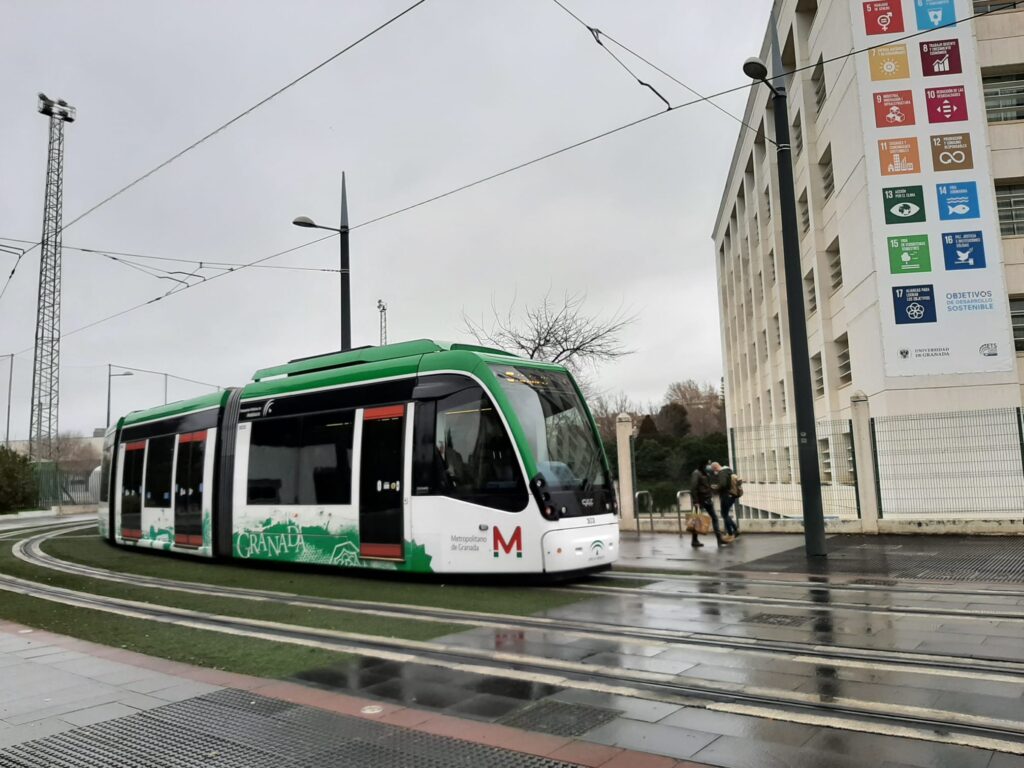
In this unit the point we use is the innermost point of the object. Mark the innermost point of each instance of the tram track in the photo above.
(30, 551)
(833, 711)
(745, 578)
(897, 610)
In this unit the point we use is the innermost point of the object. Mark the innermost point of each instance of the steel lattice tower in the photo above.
(46, 365)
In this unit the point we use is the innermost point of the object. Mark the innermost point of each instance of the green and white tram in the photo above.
(419, 456)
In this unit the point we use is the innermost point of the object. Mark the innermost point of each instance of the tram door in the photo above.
(188, 490)
(380, 483)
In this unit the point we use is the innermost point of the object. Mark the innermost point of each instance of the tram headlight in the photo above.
(549, 512)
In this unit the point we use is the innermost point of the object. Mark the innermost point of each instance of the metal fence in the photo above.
(61, 487)
(957, 465)
(766, 458)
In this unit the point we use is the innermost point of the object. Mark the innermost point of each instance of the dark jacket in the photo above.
(700, 486)
(723, 481)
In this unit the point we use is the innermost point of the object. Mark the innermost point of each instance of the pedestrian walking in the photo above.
(724, 482)
(701, 494)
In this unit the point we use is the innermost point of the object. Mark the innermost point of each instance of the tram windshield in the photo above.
(556, 426)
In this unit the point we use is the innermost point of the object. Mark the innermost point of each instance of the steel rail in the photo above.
(849, 714)
(30, 551)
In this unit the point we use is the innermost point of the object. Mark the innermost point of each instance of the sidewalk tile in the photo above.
(184, 691)
(639, 760)
(586, 754)
(98, 714)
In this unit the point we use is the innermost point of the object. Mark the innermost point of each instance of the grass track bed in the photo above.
(519, 600)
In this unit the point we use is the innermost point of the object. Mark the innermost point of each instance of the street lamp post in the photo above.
(111, 375)
(803, 393)
(345, 286)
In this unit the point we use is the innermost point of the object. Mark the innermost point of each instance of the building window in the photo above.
(818, 374)
(828, 179)
(764, 346)
(835, 266)
(843, 370)
(1010, 202)
(777, 326)
(301, 459)
(767, 204)
(1004, 97)
(825, 460)
(988, 6)
(818, 81)
(805, 212)
(782, 397)
(1017, 320)
(771, 265)
(768, 405)
(812, 297)
(756, 230)
(798, 136)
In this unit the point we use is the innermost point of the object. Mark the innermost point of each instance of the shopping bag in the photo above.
(698, 522)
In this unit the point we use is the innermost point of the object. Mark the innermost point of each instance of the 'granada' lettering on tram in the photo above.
(477, 446)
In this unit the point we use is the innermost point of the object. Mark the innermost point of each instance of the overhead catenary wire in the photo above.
(124, 256)
(216, 131)
(541, 158)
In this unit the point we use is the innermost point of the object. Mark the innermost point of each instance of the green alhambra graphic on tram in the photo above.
(287, 542)
(419, 456)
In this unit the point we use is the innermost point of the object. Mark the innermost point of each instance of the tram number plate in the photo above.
(591, 520)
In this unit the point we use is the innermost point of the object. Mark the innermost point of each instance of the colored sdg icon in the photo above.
(963, 250)
(883, 17)
(934, 13)
(958, 201)
(952, 152)
(894, 109)
(909, 253)
(913, 304)
(903, 205)
(940, 57)
(946, 105)
(889, 62)
(896, 156)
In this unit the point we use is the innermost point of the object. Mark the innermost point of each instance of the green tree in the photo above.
(647, 428)
(17, 482)
(673, 420)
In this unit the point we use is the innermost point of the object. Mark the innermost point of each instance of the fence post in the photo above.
(623, 433)
(864, 462)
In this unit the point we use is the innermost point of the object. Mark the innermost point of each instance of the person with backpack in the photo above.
(701, 494)
(729, 487)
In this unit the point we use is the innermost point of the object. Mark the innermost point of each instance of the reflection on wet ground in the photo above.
(976, 633)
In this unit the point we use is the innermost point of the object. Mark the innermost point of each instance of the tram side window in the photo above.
(188, 514)
(302, 459)
(472, 453)
(131, 486)
(158, 471)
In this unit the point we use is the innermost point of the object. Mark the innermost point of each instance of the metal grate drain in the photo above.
(236, 729)
(776, 620)
(559, 718)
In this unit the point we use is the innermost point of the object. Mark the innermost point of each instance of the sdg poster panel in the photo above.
(934, 225)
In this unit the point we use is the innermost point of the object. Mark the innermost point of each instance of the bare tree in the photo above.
(557, 332)
(703, 405)
(606, 412)
(75, 453)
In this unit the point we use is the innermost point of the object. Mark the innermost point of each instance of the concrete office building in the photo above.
(909, 173)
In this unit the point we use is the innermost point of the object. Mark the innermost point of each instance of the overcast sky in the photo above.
(455, 90)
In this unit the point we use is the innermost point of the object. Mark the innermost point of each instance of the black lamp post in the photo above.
(346, 320)
(803, 392)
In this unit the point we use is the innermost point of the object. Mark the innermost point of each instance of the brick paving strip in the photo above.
(140, 694)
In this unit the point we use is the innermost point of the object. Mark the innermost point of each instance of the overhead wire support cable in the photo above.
(597, 34)
(534, 161)
(220, 128)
